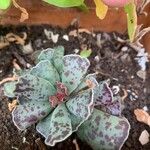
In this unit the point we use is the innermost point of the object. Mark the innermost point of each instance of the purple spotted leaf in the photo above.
(103, 94)
(113, 108)
(74, 70)
(47, 71)
(103, 131)
(31, 87)
(29, 113)
(60, 97)
(55, 56)
(46, 54)
(58, 58)
(56, 127)
(80, 106)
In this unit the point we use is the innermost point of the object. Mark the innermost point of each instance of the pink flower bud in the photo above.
(116, 3)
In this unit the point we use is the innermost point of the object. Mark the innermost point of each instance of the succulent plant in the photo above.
(59, 96)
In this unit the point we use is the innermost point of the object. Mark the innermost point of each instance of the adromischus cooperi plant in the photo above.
(59, 96)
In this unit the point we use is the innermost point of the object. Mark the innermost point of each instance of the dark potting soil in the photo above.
(114, 60)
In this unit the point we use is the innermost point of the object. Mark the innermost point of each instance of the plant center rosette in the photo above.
(60, 98)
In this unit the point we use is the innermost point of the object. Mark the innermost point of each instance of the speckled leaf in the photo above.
(74, 69)
(103, 131)
(29, 113)
(9, 88)
(84, 85)
(58, 58)
(55, 56)
(80, 104)
(31, 87)
(43, 127)
(58, 126)
(103, 94)
(47, 71)
(46, 54)
(114, 108)
(76, 122)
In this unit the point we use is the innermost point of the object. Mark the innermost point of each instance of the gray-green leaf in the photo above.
(103, 131)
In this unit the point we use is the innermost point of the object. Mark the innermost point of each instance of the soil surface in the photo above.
(112, 58)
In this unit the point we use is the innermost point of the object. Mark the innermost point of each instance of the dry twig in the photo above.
(24, 13)
(12, 105)
(76, 144)
(125, 95)
(14, 78)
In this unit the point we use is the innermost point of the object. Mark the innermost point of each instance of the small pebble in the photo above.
(76, 51)
(27, 49)
(96, 58)
(28, 65)
(145, 108)
(66, 37)
(144, 137)
(124, 49)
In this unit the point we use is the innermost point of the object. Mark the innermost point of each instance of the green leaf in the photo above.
(57, 126)
(29, 113)
(86, 53)
(80, 105)
(103, 131)
(58, 58)
(47, 71)
(65, 3)
(83, 7)
(46, 54)
(55, 56)
(31, 87)
(74, 69)
(130, 9)
(103, 94)
(4, 4)
(9, 89)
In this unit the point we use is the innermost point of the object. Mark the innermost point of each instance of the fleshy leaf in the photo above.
(57, 126)
(80, 106)
(58, 58)
(28, 113)
(65, 3)
(113, 108)
(76, 122)
(130, 9)
(31, 87)
(83, 84)
(103, 131)
(74, 69)
(101, 9)
(103, 94)
(9, 89)
(47, 71)
(46, 54)
(55, 56)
